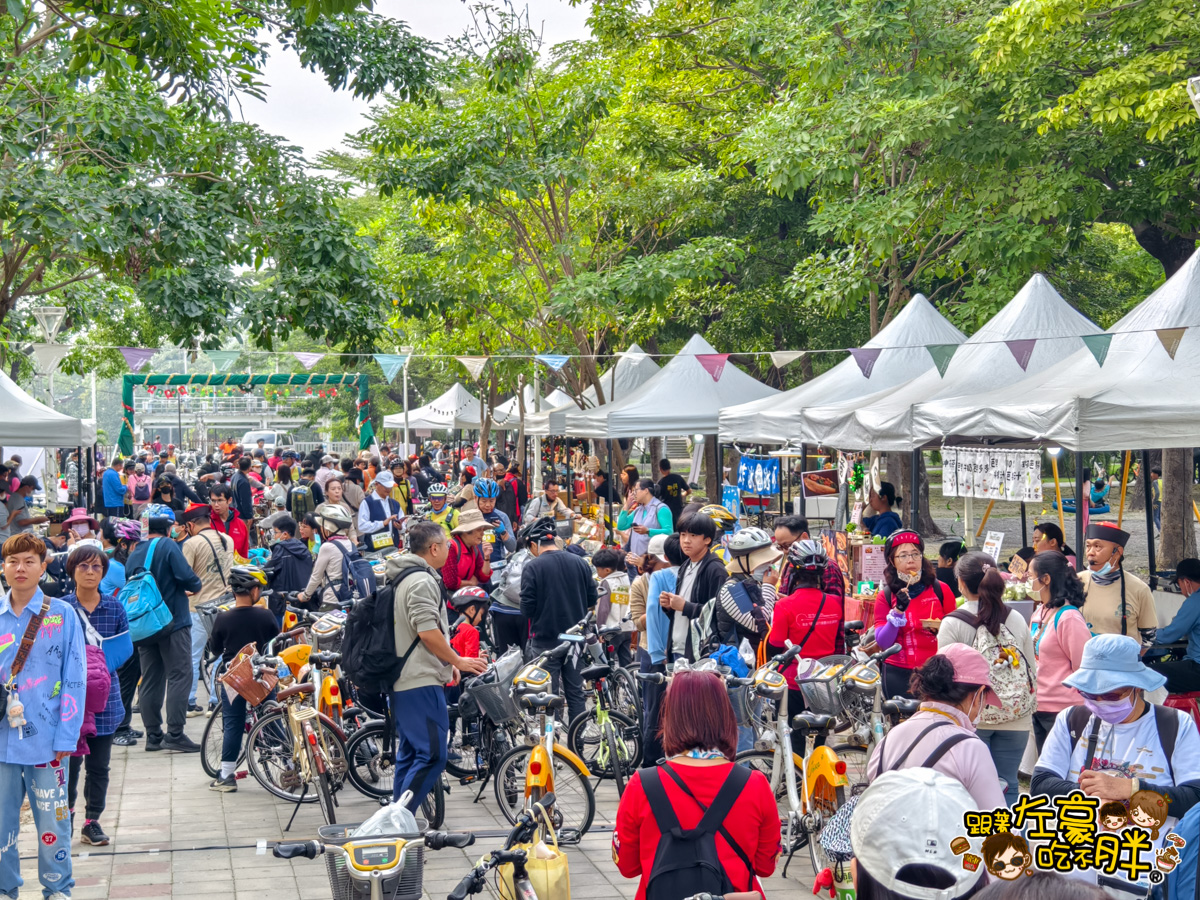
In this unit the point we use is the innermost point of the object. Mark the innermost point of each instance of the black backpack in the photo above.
(369, 656)
(686, 862)
(358, 576)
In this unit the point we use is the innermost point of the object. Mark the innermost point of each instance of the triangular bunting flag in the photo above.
(223, 360)
(391, 363)
(308, 360)
(865, 357)
(781, 358)
(1098, 344)
(553, 360)
(1170, 338)
(48, 356)
(473, 364)
(942, 354)
(714, 363)
(136, 357)
(1021, 350)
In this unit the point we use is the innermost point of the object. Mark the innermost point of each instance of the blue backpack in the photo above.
(1181, 884)
(145, 608)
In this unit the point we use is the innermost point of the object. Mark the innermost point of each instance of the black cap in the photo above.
(1107, 531)
(1188, 568)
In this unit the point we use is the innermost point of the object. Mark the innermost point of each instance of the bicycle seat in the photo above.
(609, 631)
(853, 625)
(541, 700)
(326, 658)
(304, 688)
(898, 706)
(807, 721)
(593, 673)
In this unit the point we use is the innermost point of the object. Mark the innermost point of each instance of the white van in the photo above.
(270, 439)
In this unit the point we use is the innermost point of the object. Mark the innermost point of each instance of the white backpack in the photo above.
(1011, 677)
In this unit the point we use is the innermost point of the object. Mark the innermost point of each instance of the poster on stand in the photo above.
(819, 483)
(731, 499)
(992, 544)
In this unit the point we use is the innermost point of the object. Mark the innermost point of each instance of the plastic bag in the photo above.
(392, 819)
(748, 655)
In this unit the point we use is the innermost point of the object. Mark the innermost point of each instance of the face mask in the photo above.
(1111, 711)
(760, 573)
(973, 717)
(1104, 569)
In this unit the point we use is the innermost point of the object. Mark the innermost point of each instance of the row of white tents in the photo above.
(1063, 396)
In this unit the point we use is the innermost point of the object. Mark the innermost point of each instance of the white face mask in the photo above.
(760, 573)
(974, 716)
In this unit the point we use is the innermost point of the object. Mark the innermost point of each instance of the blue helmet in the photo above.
(485, 488)
(159, 511)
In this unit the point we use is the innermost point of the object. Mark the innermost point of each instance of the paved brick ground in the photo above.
(172, 837)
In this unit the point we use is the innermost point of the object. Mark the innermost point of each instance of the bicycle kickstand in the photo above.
(299, 800)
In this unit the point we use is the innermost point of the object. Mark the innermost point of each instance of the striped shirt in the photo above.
(108, 618)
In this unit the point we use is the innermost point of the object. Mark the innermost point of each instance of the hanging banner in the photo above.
(988, 474)
(865, 357)
(308, 360)
(1021, 350)
(553, 360)
(473, 364)
(1098, 344)
(714, 363)
(48, 356)
(223, 360)
(949, 472)
(136, 357)
(758, 474)
(1170, 338)
(942, 354)
(782, 358)
(391, 363)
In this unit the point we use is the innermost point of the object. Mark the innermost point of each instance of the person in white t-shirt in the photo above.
(1117, 744)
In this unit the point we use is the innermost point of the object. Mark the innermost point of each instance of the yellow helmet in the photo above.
(723, 518)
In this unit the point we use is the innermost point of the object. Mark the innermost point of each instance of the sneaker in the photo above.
(93, 834)
(193, 710)
(125, 739)
(154, 743)
(212, 708)
(180, 742)
(224, 785)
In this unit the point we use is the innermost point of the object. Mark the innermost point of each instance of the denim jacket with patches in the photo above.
(51, 685)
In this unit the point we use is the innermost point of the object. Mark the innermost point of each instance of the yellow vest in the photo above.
(447, 518)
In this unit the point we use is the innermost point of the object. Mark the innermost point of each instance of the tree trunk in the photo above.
(1135, 494)
(656, 453)
(1178, 530)
(1171, 251)
(899, 472)
(712, 469)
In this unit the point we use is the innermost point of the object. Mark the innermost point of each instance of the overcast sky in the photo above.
(303, 109)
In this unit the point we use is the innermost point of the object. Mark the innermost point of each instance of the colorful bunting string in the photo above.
(865, 357)
(1098, 344)
(223, 360)
(942, 354)
(553, 360)
(136, 357)
(48, 356)
(391, 363)
(782, 358)
(1170, 338)
(713, 363)
(308, 360)
(473, 364)
(1022, 350)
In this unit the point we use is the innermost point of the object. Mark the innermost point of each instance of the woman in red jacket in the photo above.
(699, 737)
(909, 609)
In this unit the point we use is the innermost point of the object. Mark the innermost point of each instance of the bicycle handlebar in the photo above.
(651, 677)
(307, 849)
(438, 840)
(885, 654)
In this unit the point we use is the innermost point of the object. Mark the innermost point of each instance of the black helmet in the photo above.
(536, 531)
(808, 555)
(243, 579)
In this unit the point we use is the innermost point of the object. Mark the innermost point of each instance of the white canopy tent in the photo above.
(27, 422)
(1139, 398)
(683, 398)
(886, 421)
(457, 408)
(633, 369)
(508, 413)
(776, 420)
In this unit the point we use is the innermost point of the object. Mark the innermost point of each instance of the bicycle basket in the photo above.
(407, 885)
(739, 696)
(239, 677)
(824, 696)
(207, 614)
(496, 701)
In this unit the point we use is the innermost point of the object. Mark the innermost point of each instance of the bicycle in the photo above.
(485, 723)
(609, 742)
(370, 863)
(809, 786)
(475, 881)
(525, 774)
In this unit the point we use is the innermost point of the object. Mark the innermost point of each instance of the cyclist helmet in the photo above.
(464, 597)
(243, 579)
(485, 488)
(748, 540)
(903, 536)
(437, 489)
(724, 519)
(536, 531)
(332, 518)
(127, 530)
(157, 511)
(808, 555)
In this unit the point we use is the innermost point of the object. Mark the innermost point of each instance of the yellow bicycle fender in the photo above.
(572, 760)
(296, 656)
(544, 777)
(824, 763)
(328, 699)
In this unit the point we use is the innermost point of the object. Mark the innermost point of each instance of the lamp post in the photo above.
(50, 319)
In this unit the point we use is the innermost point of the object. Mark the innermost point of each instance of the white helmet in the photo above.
(748, 540)
(332, 517)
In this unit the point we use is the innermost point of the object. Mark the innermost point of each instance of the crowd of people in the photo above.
(485, 566)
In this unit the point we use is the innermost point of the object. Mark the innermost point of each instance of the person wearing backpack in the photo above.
(305, 495)
(210, 554)
(1117, 744)
(697, 823)
(954, 686)
(427, 662)
(1001, 635)
(166, 657)
(1059, 635)
(326, 584)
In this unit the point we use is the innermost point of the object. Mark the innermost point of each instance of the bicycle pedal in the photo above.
(245, 773)
(468, 780)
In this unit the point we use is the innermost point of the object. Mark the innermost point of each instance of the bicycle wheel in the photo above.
(273, 765)
(212, 743)
(433, 807)
(764, 761)
(574, 803)
(627, 699)
(466, 741)
(589, 743)
(855, 757)
(825, 800)
(324, 793)
(370, 769)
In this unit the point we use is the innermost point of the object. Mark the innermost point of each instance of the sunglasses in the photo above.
(89, 567)
(1108, 695)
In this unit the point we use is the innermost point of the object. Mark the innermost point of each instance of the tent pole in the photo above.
(1149, 518)
(609, 482)
(1124, 485)
(914, 492)
(1024, 531)
(1062, 523)
(983, 522)
(1081, 504)
(803, 466)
